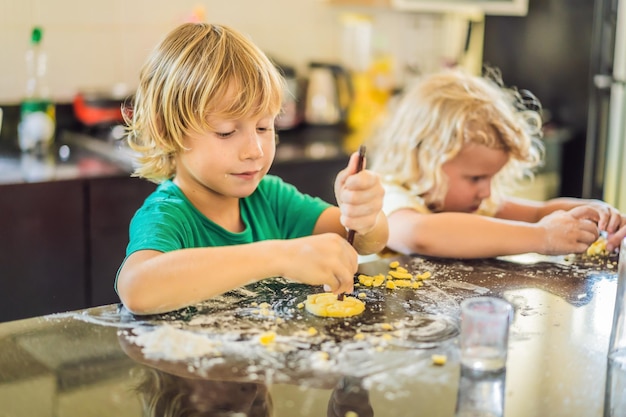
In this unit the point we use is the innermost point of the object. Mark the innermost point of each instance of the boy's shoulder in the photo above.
(167, 190)
(272, 181)
(275, 190)
(166, 197)
(272, 184)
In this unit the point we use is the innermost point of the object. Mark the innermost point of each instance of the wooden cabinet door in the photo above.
(112, 202)
(42, 249)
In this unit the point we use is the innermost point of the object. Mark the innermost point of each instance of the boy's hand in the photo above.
(326, 259)
(359, 197)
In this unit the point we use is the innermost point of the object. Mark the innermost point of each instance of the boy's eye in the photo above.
(224, 134)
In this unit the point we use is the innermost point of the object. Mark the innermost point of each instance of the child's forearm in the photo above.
(460, 235)
(153, 282)
(375, 240)
(563, 203)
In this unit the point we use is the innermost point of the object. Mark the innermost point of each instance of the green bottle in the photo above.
(37, 113)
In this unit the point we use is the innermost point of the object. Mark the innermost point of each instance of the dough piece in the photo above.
(598, 248)
(326, 304)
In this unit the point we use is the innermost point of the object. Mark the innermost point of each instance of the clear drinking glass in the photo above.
(485, 333)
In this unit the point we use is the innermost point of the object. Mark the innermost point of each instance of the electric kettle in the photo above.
(328, 94)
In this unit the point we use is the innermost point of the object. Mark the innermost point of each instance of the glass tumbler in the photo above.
(485, 333)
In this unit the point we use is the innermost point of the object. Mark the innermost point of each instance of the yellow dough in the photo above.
(598, 248)
(326, 304)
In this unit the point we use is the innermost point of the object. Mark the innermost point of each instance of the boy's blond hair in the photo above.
(443, 111)
(193, 69)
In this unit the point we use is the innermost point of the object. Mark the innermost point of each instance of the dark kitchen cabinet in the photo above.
(42, 249)
(61, 243)
(111, 204)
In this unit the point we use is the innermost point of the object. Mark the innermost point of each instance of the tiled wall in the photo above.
(100, 43)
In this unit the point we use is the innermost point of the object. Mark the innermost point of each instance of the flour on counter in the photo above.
(170, 343)
(465, 286)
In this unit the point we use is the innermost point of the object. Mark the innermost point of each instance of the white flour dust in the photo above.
(168, 342)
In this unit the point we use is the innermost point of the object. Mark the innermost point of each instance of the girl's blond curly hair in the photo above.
(439, 114)
(184, 80)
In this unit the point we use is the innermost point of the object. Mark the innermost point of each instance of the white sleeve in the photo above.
(398, 197)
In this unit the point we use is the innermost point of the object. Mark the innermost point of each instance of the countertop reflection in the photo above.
(255, 352)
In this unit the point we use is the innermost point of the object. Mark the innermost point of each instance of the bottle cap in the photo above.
(36, 35)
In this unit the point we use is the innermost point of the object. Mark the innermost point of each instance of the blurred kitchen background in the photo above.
(70, 212)
(102, 43)
(548, 46)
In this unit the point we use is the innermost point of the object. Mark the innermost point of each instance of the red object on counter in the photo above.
(93, 109)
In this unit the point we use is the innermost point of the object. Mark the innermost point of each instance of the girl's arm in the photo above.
(609, 219)
(152, 282)
(533, 211)
(464, 235)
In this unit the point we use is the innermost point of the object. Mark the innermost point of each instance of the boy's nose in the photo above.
(253, 148)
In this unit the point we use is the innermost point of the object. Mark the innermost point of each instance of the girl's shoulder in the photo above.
(398, 196)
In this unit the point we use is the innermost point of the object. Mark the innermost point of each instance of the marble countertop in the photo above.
(254, 349)
(72, 156)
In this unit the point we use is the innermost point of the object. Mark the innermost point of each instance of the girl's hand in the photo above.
(611, 221)
(614, 239)
(569, 231)
(326, 259)
(359, 197)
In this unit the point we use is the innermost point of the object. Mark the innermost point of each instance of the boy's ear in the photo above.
(276, 139)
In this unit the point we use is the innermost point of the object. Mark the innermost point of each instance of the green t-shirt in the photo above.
(168, 221)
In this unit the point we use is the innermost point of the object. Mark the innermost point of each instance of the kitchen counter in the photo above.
(255, 348)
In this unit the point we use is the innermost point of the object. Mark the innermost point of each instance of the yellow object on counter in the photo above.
(400, 275)
(397, 277)
(327, 305)
(267, 338)
(439, 360)
(597, 248)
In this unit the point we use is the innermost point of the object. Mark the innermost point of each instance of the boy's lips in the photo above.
(246, 174)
